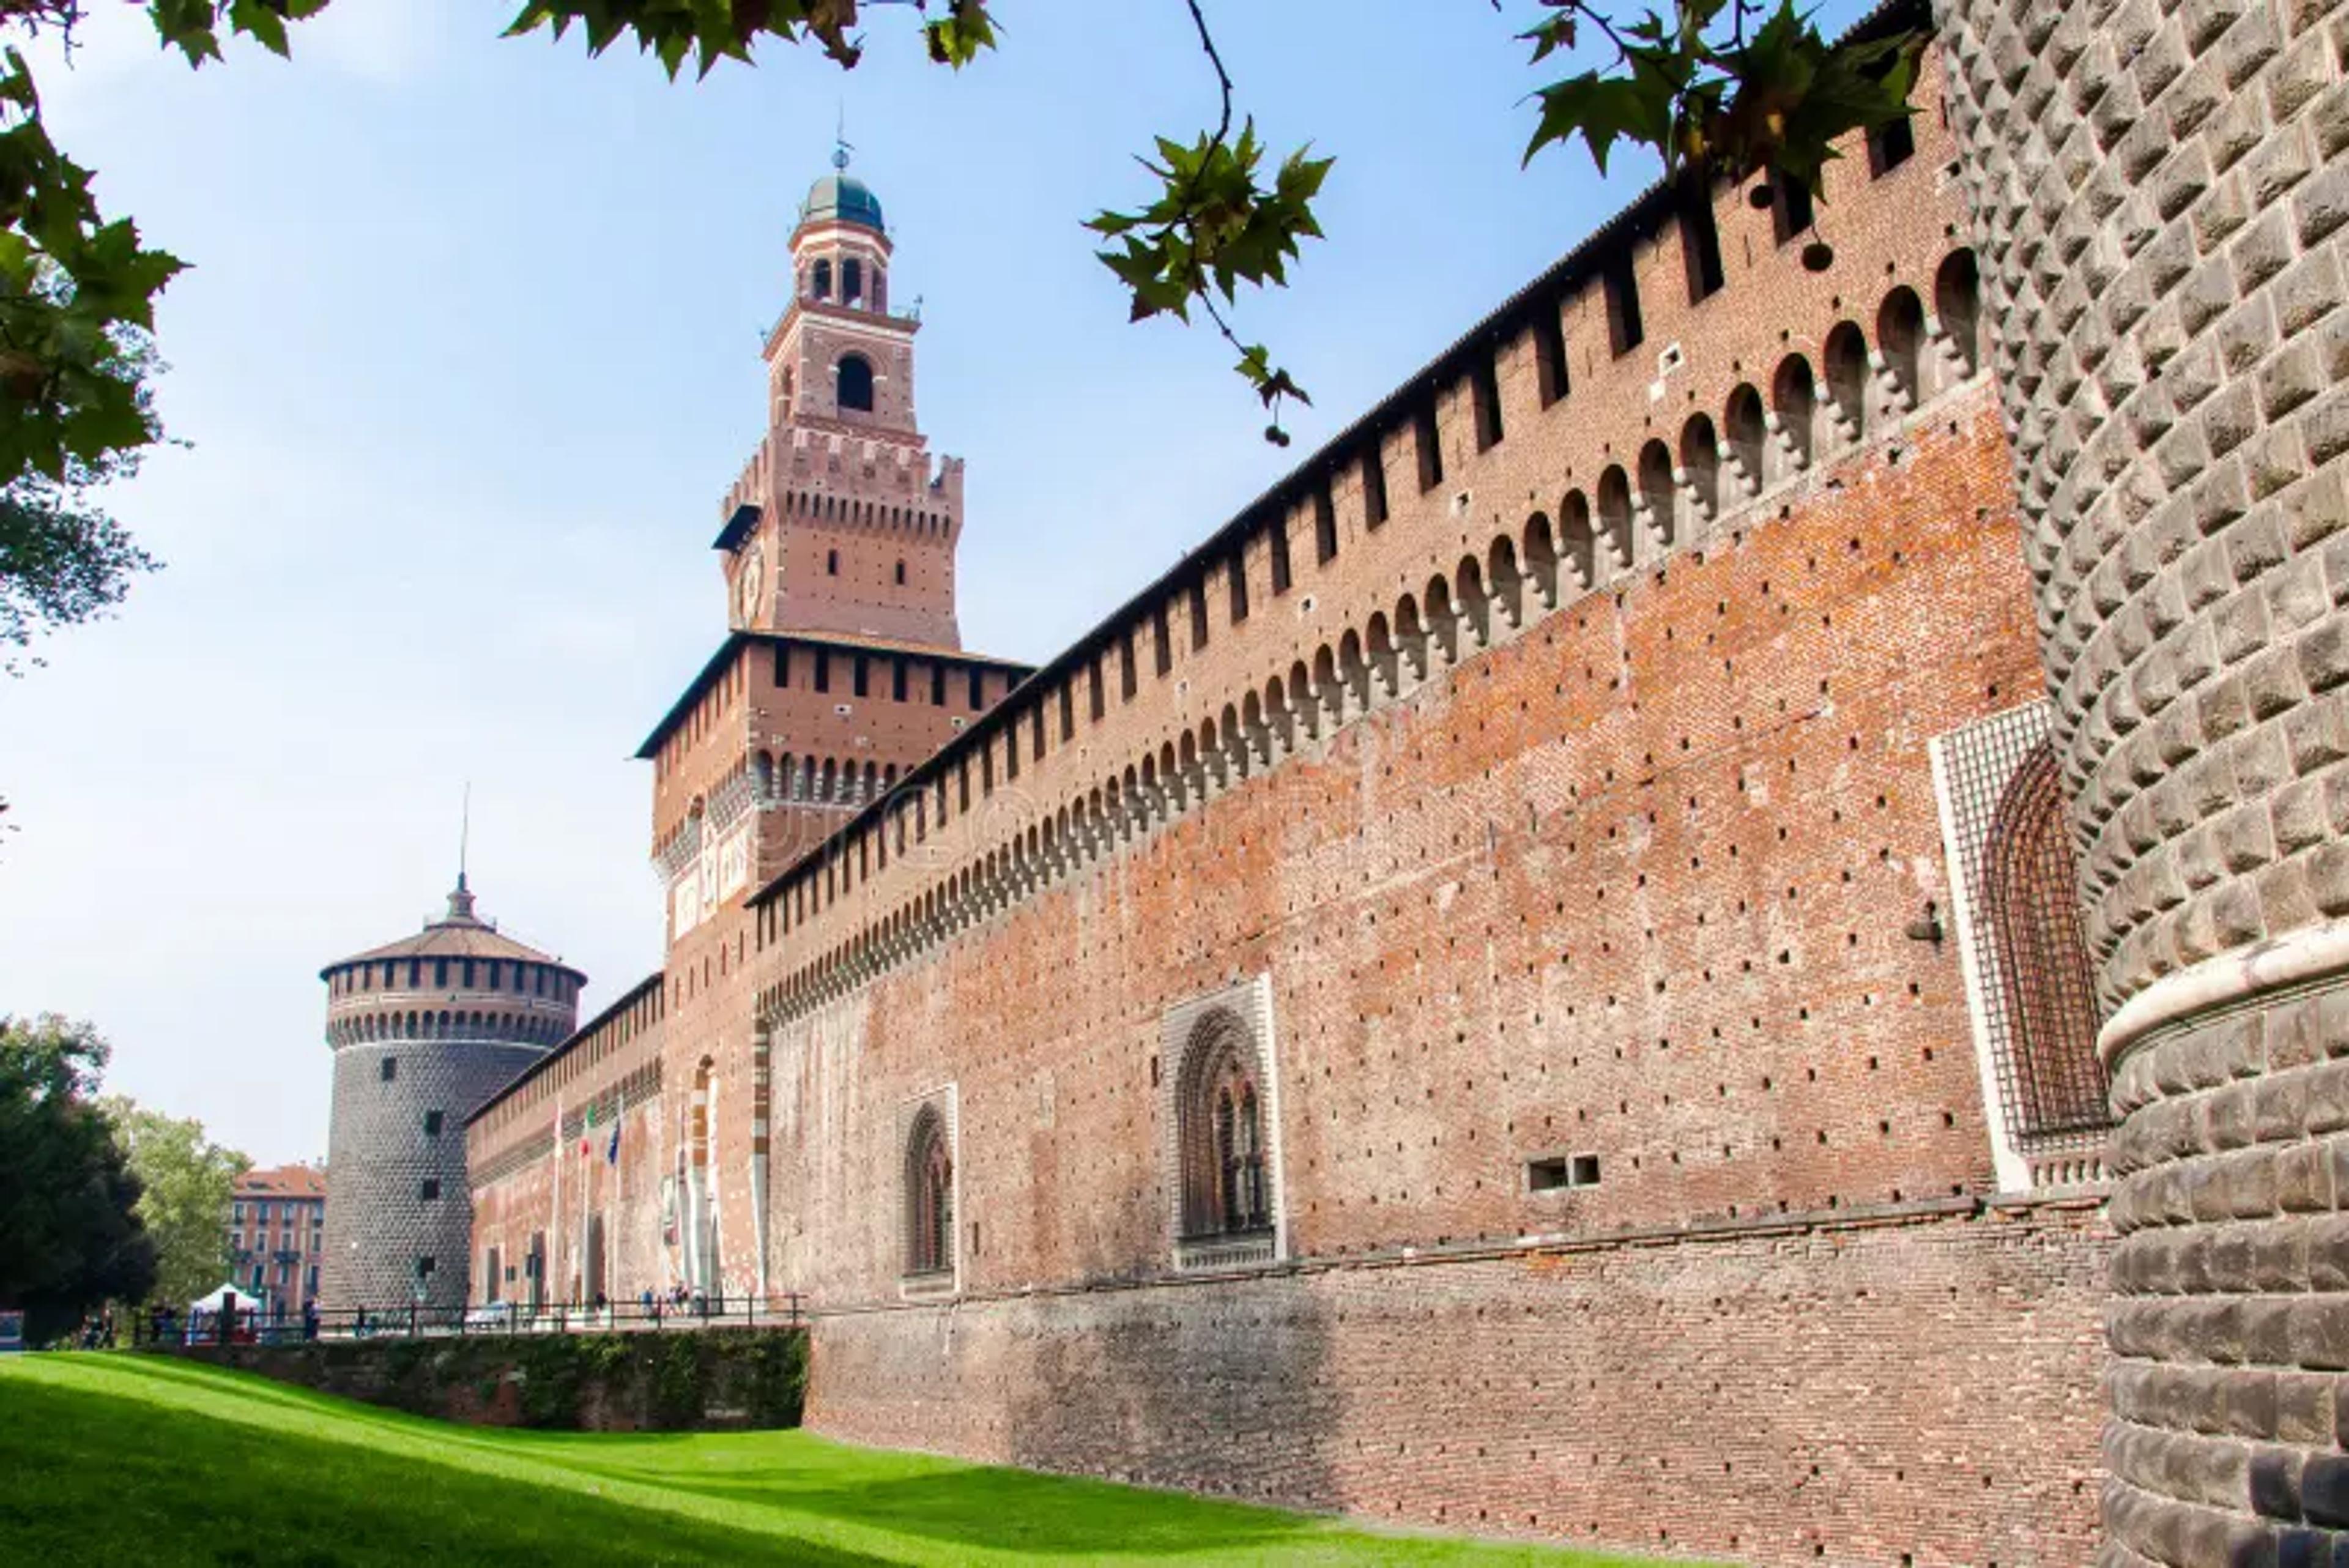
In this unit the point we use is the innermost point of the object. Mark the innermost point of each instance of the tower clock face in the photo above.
(748, 581)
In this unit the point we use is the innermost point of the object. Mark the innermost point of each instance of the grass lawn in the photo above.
(122, 1458)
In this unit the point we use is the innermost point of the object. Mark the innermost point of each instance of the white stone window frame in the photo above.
(1992, 750)
(1249, 1002)
(944, 1283)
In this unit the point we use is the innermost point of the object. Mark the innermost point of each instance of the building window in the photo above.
(1220, 1112)
(1790, 205)
(1325, 525)
(822, 289)
(2031, 886)
(1621, 285)
(1127, 683)
(901, 574)
(428, 1190)
(858, 675)
(441, 974)
(856, 383)
(424, 1266)
(1890, 146)
(1557, 1173)
(1275, 535)
(897, 675)
(831, 563)
(1238, 570)
(937, 685)
(978, 691)
(468, 973)
(1485, 390)
(1700, 238)
(852, 281)
(929, 1196)
(1199, 596)
(823, 665)
(432, 1123)
(1430, 449)
(1549, 353)
(1161, 640)
(389, 1068)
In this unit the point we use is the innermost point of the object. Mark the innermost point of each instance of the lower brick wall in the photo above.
(1918, 1385)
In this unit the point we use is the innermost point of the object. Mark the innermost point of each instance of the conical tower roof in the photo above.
(458, 934)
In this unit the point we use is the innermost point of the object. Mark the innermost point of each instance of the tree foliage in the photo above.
(186, 1182)
(69, 1234)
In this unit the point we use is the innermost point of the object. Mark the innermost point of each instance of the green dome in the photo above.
(841, 198)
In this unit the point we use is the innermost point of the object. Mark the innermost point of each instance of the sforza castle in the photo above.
(1718, 930)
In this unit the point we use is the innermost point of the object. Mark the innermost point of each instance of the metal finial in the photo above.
(464, 833)
(841, 147)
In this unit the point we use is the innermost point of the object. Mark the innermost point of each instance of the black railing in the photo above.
(263, 1324)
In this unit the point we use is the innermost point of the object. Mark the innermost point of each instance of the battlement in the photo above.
(635, 1016)
(1677, 378)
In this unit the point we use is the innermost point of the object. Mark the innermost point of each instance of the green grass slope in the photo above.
(141, 1460)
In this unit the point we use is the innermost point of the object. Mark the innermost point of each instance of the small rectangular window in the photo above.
(1485, 389)
(1161, 640)
(1325, 524)
(428, 1190)
(1238, 570)
(1068, 712)
(978, 690)
(1275, 535)
(937, 685)
(389, 1068)
(1425, 437)
(858, 672)
(439, 974)
(1624, 330)
(1549, 353)
(1890, 146)
(1011, 752)
(1036, 730)
(432, 1123)
(1374, 485)
(783, 664)
(1099, 699)
(468, 973)
(897, 678)
(1126, 680)
(1198, 615)
(424, 1266)
(1556, 1173)
(824, 669)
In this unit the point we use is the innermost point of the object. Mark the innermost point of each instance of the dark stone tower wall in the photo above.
(379, 1156)
(2159, 196)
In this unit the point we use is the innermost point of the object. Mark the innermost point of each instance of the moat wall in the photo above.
(700, 1380)
(1917, 1385)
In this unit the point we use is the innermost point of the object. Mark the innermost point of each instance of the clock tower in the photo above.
(842, 523)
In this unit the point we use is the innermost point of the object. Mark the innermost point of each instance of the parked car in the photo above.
(491, 1314)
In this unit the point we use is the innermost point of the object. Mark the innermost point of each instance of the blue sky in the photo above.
(469, 354)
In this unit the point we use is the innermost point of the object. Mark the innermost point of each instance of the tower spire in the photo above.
(461, 901)
(841, 147)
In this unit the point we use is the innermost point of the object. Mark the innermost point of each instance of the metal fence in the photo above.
(260, 1324)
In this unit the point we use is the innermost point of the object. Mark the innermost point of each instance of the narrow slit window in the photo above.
(1485, 389)
(1161, 640)
(1624, 330)
(1325, 525)
(1239, 586)
(1790, 205)
(1276, 537)
(1549, 353)
(1700, 238)
(1430, 451)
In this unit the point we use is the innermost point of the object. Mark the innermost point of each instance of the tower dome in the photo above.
(424, 1030)
(841, 198)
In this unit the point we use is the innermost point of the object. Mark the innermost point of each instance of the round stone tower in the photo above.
(2160, 196)
(424, 1030)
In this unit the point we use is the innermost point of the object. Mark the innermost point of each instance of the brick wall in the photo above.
(1917, 1389)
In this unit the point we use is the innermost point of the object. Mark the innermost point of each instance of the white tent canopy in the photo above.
(219, 1299)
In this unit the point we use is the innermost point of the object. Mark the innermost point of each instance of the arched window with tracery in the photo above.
(929, 1196)
(1221, 1117)
(2056, 1082)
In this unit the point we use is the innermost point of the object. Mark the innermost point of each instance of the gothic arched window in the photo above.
(1220, 1118)
(2031, 886)
(855, 384)
(929, 1196)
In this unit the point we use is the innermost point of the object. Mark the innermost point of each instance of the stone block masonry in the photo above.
(2162, 191)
